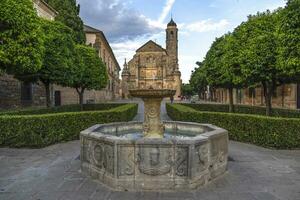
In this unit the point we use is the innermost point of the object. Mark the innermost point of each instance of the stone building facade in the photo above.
(285, 96)
(154, 66)
(96, 39)
(14, 93)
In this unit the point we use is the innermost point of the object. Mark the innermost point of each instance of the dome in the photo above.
(172, 23)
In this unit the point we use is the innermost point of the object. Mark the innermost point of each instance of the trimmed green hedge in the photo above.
(271, 132)
(60, 109)
(42, 130)
(257, 110)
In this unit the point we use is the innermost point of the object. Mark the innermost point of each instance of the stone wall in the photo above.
(10, 93)
(70, 96)
(285, 96)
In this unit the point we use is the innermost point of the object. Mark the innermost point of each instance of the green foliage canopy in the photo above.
(89, 72)
(59, 52)
(68, 14)
(220, 64)
(198, 80)
(258, 56)
(21, 48)
(289, 38)
(187, 90)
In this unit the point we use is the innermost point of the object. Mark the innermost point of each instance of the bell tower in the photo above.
(172, 43)
(172, 50)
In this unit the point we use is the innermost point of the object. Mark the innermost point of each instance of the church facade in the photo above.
(153, 66)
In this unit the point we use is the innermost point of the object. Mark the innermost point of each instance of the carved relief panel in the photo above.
(125, 160)
(201, 157)
(102, 156)
(154, 160)
(86, 153)
(181, 161)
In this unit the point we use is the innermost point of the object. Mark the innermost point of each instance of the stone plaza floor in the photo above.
(254, 173)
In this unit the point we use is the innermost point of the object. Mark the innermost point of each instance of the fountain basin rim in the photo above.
(94, 134)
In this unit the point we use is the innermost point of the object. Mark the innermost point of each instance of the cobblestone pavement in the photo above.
(54, 173)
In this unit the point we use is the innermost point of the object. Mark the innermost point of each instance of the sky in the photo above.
(128, 24)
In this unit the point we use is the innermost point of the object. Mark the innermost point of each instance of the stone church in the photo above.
(154, 66)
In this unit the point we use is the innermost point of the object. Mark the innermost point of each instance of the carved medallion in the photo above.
(98, 155)
(154, 161)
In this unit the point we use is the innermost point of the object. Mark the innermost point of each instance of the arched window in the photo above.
(172, 34)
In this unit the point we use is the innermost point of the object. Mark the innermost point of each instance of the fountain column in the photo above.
(152, 126)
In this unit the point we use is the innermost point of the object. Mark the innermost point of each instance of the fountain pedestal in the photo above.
(152, 127)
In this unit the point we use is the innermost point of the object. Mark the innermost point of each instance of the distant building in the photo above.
(285, 96)
(94, 38)
(154, 66)
(44, 10)
(14, 93)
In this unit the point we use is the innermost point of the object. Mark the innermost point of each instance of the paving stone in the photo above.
(53, 173)
(147, 195)
(264, 196)
(176, 195)
(122, 195)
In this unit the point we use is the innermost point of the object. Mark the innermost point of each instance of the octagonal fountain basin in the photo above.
(187, 156)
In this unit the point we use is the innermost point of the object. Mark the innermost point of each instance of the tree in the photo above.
(198, 80)
(187, 90)
(88, 71)
(68, 14)
(258, 58)
(221, 66)
(289, 41)
(21, 48)
(58, 57)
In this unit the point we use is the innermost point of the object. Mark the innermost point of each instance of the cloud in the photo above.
(207, 25)
(118, 21)
(126, 49)
(166, 10)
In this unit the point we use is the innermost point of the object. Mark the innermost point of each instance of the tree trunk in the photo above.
(80, 95)
(231, 108)
(282, 95)
(47, 93)
(268, 97)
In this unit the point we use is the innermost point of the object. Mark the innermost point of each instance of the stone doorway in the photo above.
(26, 94)
(57, 98)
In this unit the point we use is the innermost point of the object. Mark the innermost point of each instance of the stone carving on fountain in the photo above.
(127, 162)
(182, 161)
(154, 161)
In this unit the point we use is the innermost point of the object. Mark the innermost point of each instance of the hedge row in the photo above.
(257, 110)
(42, 130)
(60, 109)
(271, 132)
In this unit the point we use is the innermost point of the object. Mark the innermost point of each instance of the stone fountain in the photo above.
(154, 155)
